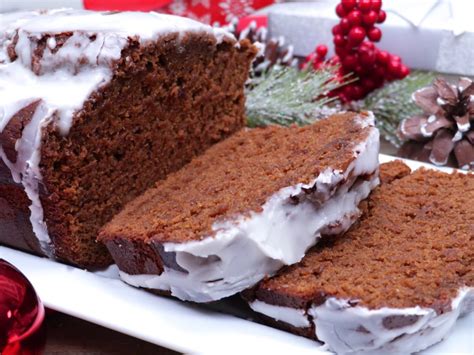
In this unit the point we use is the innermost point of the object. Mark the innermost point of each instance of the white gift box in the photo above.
(435, 35)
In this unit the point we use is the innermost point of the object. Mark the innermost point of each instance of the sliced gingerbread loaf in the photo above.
(95, 108)
(396, 281)
(246, 207)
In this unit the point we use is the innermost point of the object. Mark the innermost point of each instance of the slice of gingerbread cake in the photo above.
(246, 207)
(396, 281)
(95, 108)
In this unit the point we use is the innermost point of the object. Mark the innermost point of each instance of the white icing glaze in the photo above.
(339, 325)
(347, 329)
(246, 249)
(64, 79)
(295, 317)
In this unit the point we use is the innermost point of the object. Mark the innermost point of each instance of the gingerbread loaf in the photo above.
(95, 108)
(396, 281)
(246, 207)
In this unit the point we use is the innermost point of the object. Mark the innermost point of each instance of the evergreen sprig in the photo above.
(392, 103)
(287, 96)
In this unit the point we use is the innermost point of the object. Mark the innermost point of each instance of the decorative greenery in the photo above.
(286, 95)
(392, 103)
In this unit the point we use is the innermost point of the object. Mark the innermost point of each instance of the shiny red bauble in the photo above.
(21, 312)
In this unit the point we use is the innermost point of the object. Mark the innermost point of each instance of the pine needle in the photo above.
(392, 103)
(286, 96)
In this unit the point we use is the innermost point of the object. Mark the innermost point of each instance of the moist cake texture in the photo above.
(246, 207)
(95, 108)
(396, 281)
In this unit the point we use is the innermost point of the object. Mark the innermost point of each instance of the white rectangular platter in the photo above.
(103, 299)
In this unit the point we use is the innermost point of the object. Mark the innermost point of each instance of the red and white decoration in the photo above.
(207, 11)
(355, 51)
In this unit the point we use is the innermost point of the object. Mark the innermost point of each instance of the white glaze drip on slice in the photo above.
(246, 249)
(347, 329)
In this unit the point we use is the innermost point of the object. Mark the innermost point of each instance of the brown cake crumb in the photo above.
(235, 177)
(414, 245)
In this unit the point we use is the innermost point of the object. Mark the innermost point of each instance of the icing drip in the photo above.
(246, 249)
(346, 329)
(77, 59)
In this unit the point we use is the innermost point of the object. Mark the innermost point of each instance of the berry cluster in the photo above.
(357, 55)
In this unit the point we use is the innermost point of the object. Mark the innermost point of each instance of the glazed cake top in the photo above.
(61, 56)
(145, 25)
(51, 63)
(413, 246)
(238, 176)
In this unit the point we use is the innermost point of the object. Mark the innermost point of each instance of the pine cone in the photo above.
(445, 130)
(273, 51)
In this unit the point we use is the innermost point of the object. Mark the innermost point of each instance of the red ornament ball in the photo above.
(21, 312)
(356, 35)
(374, 34)
(382, 16)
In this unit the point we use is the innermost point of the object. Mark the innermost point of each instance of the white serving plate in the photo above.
(103, 299)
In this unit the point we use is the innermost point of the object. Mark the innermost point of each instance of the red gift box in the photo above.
(207, 11)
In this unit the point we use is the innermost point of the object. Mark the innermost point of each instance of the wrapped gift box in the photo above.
(433, 35)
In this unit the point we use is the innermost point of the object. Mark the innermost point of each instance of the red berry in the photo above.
(394, 68)
(356, 35)
(337, 30)
(367, 45)
(335, 60)
(376, 5)
(404, 71)
(340, 11)
(349, 92)
(367, 58)
(370, 18)
(350, 62)
(345, 25)
(365, 5)
(378, 73)
(382, 16)
(383, 57)
(374, 34)
(339, 41)
(355, 17)
(348, 4)
(359, 69)
(341, 51)
(357, 92)
(368, 84)
(395, 58)
(322, 50)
